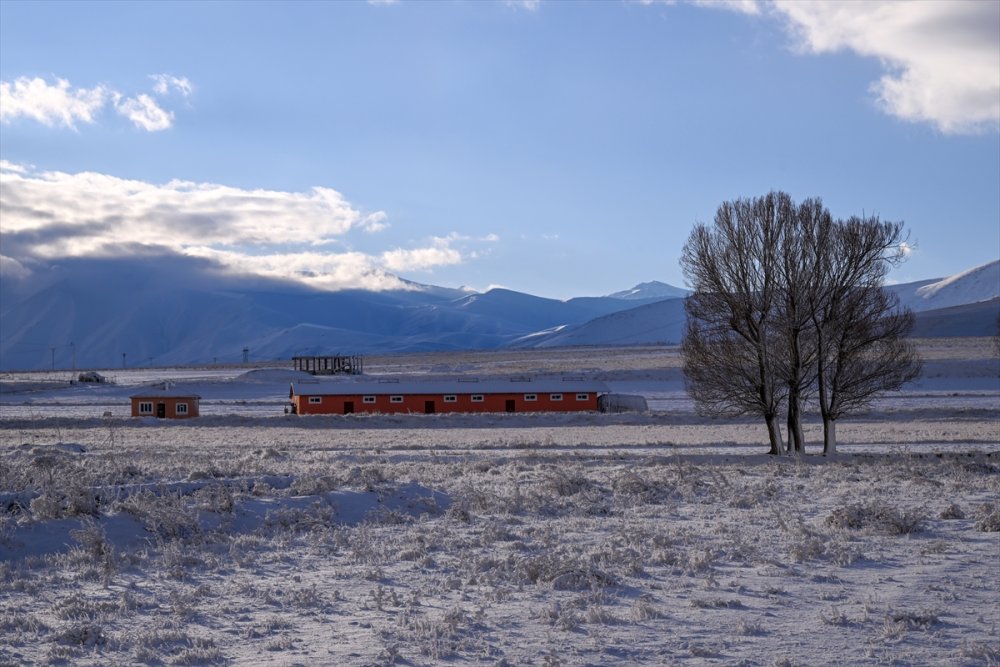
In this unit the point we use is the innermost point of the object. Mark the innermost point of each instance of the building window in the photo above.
(477, 398)
(368, 399)
(583, 397)
(395, 399)
(531, 397)
(555, 397)
(145, 408)
(315, 400)
(181, 409)
(450, 398)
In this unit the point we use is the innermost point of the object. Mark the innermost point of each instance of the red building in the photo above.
(165, 404)
(391, 396)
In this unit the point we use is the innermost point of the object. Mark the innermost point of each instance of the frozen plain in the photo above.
(253, 537)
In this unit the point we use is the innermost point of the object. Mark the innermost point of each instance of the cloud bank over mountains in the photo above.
(278, 234)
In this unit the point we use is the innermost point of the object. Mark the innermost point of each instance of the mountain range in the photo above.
(168, 310)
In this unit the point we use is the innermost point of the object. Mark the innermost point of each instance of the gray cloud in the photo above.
(51, 215)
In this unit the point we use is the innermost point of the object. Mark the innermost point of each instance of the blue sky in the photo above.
(557, 148)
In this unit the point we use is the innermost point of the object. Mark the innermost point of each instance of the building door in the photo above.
(510, 405)
(161, 410)
(348, 407)
(428, 407)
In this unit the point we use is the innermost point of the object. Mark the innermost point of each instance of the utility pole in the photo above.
(53, 357)
(123, 359)
(246, 354)
(72, 346)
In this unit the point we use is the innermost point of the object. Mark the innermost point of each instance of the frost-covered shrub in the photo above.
(988, 518)
(168, 515)
(313, 485)
(644, 610)
(46, 506)
(560, 617)
(632, 486)
(877, 517)
(83, 634)
(12, 624)
(916, 619)
(95, 552)
(368, 478)
(72, 501)
(952, 511)
(562, 572)
(567, 483)
(440, 637)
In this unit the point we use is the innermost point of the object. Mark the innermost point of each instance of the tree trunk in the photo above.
(796, 438)
(829, 436)
(774, 434)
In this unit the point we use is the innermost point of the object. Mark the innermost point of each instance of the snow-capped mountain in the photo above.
(966, 304)
(172, 310)
(975, 285)
(651, 290)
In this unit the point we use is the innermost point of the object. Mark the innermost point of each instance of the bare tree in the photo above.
(788, 302)
(797, 275)
(860, 328)
(730, 346)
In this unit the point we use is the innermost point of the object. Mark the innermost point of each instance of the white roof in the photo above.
(401, 386)
(164, 393)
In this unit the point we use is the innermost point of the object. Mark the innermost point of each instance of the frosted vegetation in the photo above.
(659, 538)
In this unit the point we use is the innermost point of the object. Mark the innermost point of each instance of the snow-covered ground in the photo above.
(249, 536)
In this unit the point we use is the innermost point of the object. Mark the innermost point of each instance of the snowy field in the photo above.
(249, 536)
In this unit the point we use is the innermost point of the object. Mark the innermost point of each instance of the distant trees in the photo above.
(788, 310)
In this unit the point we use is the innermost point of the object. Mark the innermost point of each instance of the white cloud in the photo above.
(11, 268)
(50, 104)
(51, 215)
(165, 83)
(421, 259)
(12, 167)
(742, 6)
(941, 58)
(527, 5)
(144, 113)
(60, 104)
(329, 271)
(751, 7)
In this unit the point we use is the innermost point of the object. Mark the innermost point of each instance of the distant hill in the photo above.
(654, 323)
(973, 319)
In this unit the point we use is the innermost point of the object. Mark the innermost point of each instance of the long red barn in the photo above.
(316, 397)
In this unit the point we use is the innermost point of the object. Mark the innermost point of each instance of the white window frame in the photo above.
(450, 398)
(528, 398)
(145, 407)
(315, 400)
(555, 397)
(395, 399)
(478, 398)
(181, 408)
(583, 397)
(368, 399)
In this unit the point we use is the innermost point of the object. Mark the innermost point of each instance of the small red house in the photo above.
(165, 404)
(392, 396)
